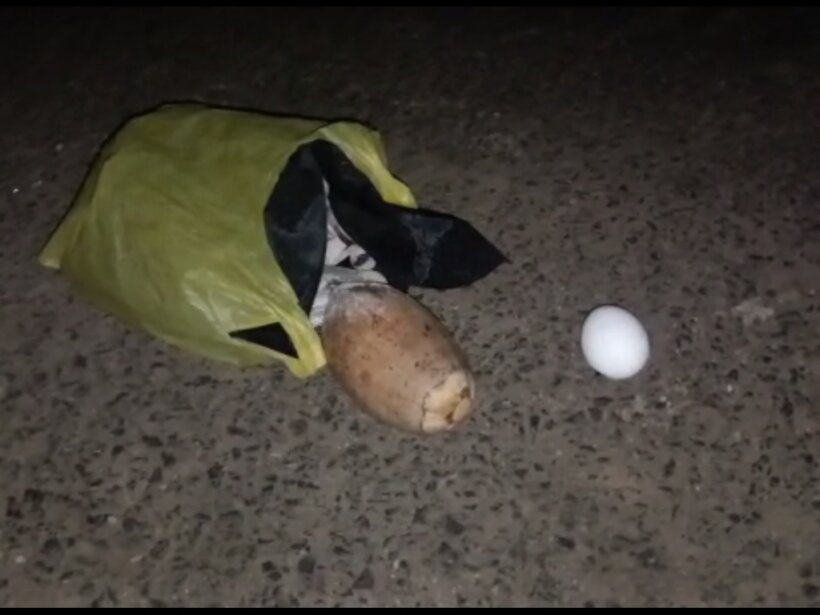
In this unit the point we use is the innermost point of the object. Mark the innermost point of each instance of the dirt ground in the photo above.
(666, 160)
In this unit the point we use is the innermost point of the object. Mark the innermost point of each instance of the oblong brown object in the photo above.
(396, 359)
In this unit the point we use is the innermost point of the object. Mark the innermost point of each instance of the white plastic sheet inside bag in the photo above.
(341, 248)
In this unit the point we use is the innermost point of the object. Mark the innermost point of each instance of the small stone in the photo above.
(452, 526)
(306, 565)
(567, 543)
(365, 580)
(52, 545)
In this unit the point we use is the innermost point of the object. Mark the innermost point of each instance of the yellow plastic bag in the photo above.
(205, 227)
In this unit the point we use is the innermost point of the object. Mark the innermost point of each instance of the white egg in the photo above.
(614, 342)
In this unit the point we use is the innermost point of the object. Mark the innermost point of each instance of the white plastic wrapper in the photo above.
(340, 248)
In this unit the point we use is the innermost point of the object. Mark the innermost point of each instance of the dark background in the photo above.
(664, 159)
